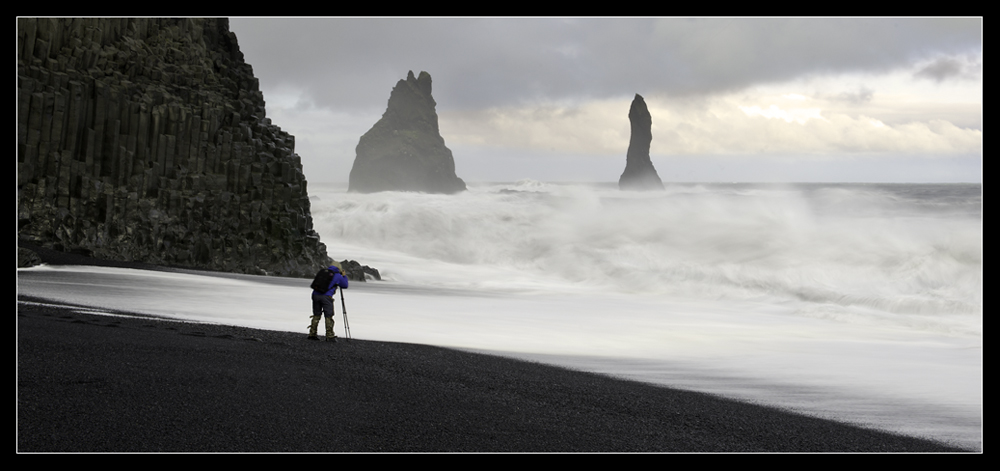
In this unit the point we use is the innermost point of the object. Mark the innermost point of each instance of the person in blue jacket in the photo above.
(323, 305)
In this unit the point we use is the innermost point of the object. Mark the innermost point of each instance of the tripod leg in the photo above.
(347, 326)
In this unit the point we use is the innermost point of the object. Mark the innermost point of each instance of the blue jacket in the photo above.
(338, 280)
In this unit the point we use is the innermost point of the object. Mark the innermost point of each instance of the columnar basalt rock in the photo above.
(404, 151)
(145, 139)
(639, 173)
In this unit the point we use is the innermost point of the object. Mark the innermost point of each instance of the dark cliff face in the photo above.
(639, 173)
(146, 140)
(404, 151)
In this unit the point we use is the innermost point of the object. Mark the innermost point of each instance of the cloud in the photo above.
(944, 68)
(540, 90)
(762, 124)
(599, 127)
(799, 115)
(726, 124)
(860, 97)
(490, 62)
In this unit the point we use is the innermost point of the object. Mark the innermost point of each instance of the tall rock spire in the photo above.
(639, 173)
(404, 151)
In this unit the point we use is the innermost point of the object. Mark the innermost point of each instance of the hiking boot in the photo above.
(329, 327)
(312, 328)
(332, 339)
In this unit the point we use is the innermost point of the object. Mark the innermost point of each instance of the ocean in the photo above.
(856, 302)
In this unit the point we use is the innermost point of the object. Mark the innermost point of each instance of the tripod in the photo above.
(347, 326)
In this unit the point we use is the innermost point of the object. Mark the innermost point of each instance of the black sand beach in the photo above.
(98, 383)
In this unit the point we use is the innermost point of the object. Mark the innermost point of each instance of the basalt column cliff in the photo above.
(146, 140)
(404, 151)
(639, 173)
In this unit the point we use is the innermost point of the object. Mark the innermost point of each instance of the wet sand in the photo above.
(98, 383)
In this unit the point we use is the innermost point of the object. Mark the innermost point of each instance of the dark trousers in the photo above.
(322, 305)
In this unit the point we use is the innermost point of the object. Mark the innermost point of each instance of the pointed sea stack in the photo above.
(639, 173)
(404, 151)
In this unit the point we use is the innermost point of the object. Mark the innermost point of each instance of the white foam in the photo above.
(857, 304)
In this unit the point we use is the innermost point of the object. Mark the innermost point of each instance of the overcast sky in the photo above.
(732, 99)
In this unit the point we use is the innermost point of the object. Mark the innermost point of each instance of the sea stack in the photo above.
(639, 173)
(404, 151)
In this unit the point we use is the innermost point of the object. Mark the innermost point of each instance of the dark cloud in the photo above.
(941, 69)
(343, 63)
